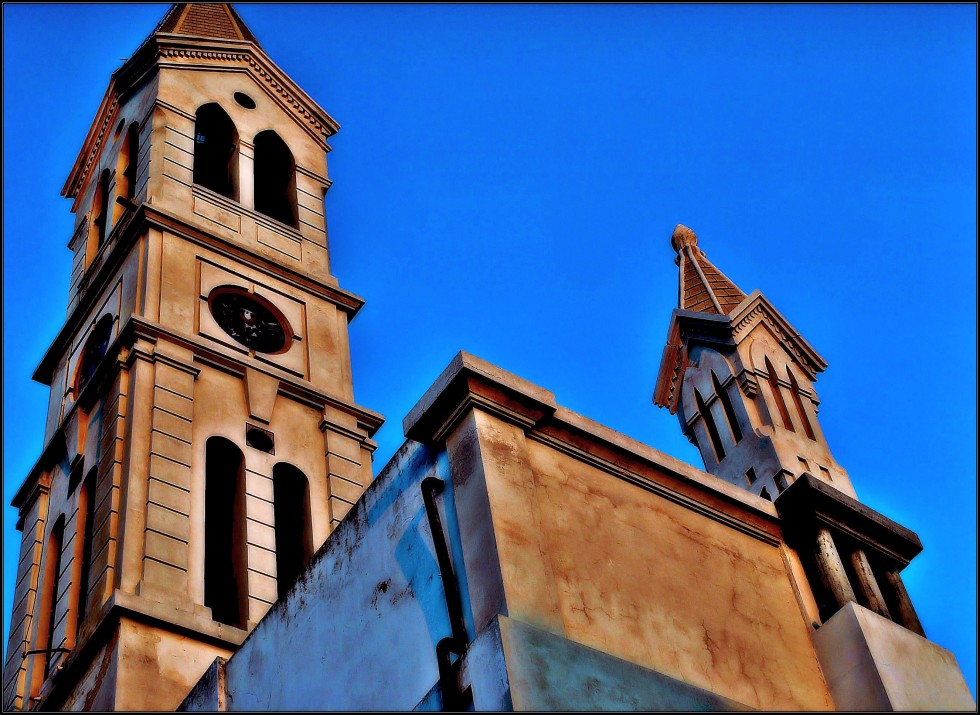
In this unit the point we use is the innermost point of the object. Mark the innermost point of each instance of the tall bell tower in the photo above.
(740, 379)
(202, 436)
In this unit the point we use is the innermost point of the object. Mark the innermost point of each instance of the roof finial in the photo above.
(683, 236)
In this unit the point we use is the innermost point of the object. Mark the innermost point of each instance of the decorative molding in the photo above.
(149, 56)
(260, 71)
(748, 382)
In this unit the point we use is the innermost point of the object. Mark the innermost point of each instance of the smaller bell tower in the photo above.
(740, 379)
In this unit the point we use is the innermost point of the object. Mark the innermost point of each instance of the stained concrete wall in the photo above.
(358, 630)
(670, 584)
(872, 663)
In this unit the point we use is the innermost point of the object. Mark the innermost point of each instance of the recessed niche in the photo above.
(260, 439)
(244, 100)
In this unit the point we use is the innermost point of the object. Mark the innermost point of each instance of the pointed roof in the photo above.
(712, 307)
(211, 20)
(198, 34)
(703, 288)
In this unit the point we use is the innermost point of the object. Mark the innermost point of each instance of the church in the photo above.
(205, 522)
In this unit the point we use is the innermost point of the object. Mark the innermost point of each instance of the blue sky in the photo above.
(506, 180)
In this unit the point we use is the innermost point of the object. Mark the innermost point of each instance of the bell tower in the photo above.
(202, 436)
(740, 379)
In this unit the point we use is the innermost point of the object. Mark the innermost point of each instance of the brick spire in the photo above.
(211, 20)
(703, 288)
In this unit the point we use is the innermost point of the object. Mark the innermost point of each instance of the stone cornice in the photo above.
(177, 51)
(757, 309)
(117, 247)
(728, 330)
(127, 350)
(809, 503)
(204, 352)
(470, 383)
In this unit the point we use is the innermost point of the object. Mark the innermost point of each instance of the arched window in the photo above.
(709, 425)
(95, 349)
(729, 408)
(294, 539)
(86, 532)
(794, 389)
(225, 554)
(216, 151)
(46, 621)
(100, 214)
(126, 170)
(777, 394)
(275, 178)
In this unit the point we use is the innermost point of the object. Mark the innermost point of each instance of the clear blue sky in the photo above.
(506, 180)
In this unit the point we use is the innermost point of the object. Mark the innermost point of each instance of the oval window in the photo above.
(250, 319)
(244, 100)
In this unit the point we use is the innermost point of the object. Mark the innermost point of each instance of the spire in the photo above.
(210, 20)
(703, 288)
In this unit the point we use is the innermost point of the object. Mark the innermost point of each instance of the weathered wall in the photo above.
(358, 631)
(160, 666)
(874, 664)
(668, 588)
(555, 542)
(551, 673)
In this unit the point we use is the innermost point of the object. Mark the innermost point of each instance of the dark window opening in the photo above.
(765, 494)
(46, 620)
(275, 178)
(130, 160)
(216, 151)
(95, 349)
(260, 439)
(778, 397)
(225, 555)
(750, 476)
(729, 408)
(795, 392)
(781, 483)
(86, 509)
(709, 425)
(244, 100)
(294, 539)
(100, 209)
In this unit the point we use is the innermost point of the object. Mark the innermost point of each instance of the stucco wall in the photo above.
(358, 630)
(651, 581)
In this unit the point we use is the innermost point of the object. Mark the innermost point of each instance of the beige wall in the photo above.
(173, 378)
(656, 583)
(629, 564)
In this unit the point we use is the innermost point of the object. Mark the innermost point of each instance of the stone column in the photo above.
(866, 585)
(831, 569)
(904, 611)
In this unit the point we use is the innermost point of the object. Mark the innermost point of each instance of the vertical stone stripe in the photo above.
(25, 598)
(260, 534)
(105, 533)
(346, 479)
(166, 553)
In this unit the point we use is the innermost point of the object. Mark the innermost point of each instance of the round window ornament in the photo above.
(244, 100)
(250, 319)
